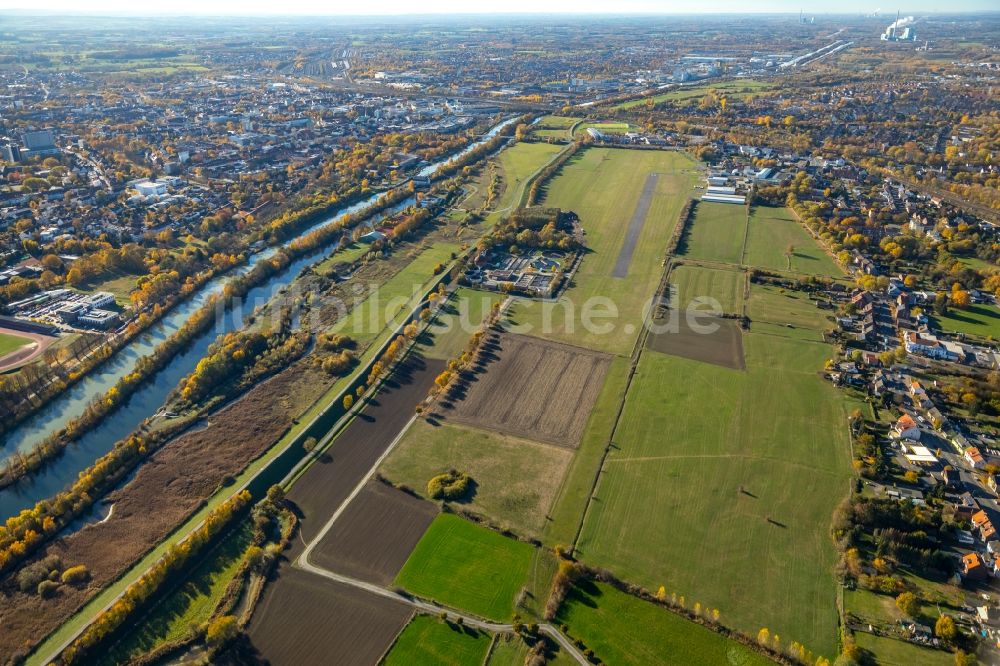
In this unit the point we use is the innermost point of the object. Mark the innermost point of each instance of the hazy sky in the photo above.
(220, 7)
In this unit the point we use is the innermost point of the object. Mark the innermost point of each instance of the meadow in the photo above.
(428, 641)
(738, 474)
(603, 186)
(732, 89)
(380, 307)
(468, 567)
(716, 233)
(516, 479)
(622, 629)
(520, 162)
(891, 652)
(786, 313)
(692, 282)
(980, 320)
(466, 309)
(775, 231)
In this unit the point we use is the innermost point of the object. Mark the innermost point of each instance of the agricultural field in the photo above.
(458, 319)
(428, 641)
(516, 479)
(370, 317)
(585, 185)
(979, 320)
(371, 540)
(468, 567)
(622, 629)
(773, 232)
(339, 468)
(738, 494)
(574, 491)
(704, 338)
(528, 388)
(691, 282)
(739, 89)
(292, 622)
(715, 233)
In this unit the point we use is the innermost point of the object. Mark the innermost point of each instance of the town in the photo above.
(500, 339)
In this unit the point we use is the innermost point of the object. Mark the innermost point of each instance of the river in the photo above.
(150, 397)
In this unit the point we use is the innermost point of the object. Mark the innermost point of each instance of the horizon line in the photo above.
(35, 11)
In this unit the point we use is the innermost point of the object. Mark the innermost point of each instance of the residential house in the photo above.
(974, 458)
(906, 428)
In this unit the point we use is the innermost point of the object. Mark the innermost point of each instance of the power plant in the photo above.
(899, 30)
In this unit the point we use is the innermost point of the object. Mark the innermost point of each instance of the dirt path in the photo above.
(635, 226)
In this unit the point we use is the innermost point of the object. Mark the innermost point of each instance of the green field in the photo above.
(516, 480)
(460, 317)
(693, 282)
(786, 313)
(468, 567)
(11, 343)
(602, 186)
(554, 126)
(370, 317)
(429, 641)
(192, 603)
(575, 490)
(622, 629)
(979, 320)
(520, 162)
(890, 652)
(716, 233)
(773, 231)
(689, 94)
(693, 435)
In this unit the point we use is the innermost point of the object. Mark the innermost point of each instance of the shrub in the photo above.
(47, 589)
(449, 486)
(30, 576)
(75, 575)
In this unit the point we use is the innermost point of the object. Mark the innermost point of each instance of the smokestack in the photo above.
(894, 25)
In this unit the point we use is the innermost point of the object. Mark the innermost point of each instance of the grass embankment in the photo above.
(429, 641)
(603, 186)
(622, 629)
(192, 603)
(468, 567)
(739, 473)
